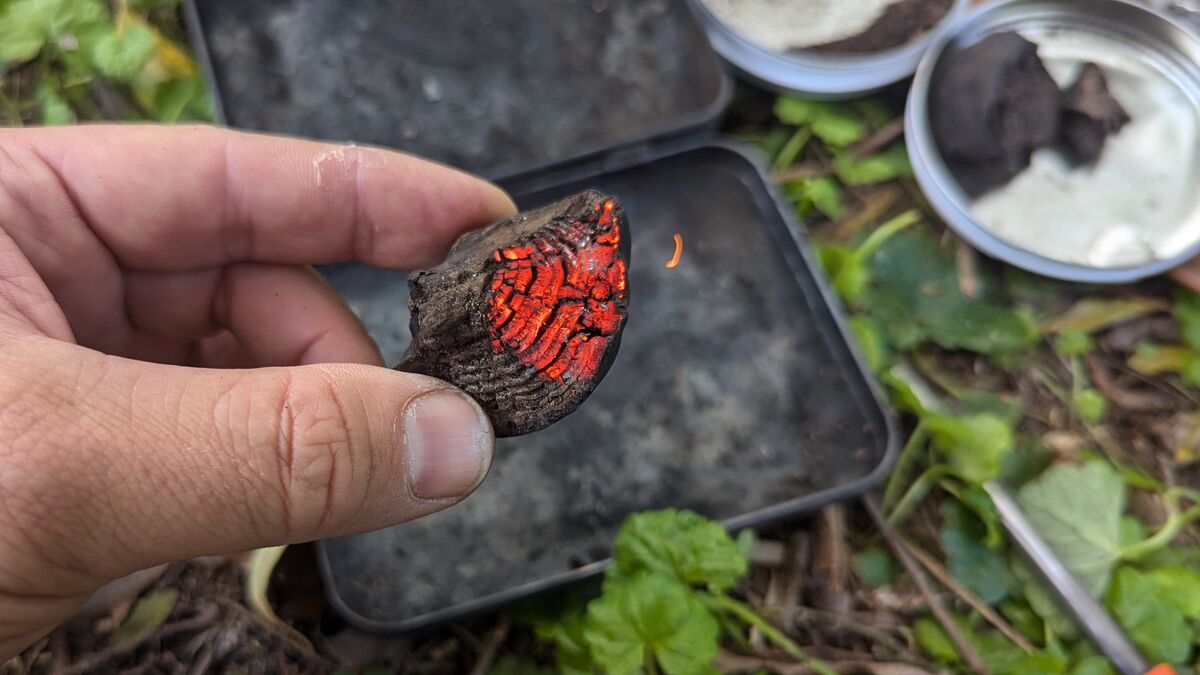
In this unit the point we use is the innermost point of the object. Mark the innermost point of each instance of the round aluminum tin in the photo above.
(1116, 33)
(818, 75)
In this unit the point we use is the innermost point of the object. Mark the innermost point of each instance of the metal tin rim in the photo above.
(827, 76)
(940, 188)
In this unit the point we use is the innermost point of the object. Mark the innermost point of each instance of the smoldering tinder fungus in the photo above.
(526, 315)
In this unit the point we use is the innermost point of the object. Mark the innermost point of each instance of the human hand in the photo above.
(143, 272)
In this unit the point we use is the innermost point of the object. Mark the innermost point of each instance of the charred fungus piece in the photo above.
(1090, 115)
(994, 106)
(526, 315)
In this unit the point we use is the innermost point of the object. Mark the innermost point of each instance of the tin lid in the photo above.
(818, 74)
(496, 88)
(1135, 211)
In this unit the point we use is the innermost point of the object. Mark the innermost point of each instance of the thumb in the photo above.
(111, 465)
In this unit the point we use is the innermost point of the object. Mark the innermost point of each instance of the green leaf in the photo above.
(172, 98)
(1187, 313)
(122, 53)
(1143, 606)
(915, 297)
(1077, 509)
(883, 166)
(571, 649)
(23, 29)
(821, 192)
(870, 342)
(679, 544)
(147, 5)
(651, 614)
(1024, 619)
(1074, 343)
(55, 110)
(150, 612)
(1090, 405)
(1093, 665)
(1041, 602)
(1005, 658)
(876, 567)
(982, 570)
(1183, 586)
(847, 272)
(26, 26)
(834, 123)
(974, 445)
(1152, 359)
(935, 642)
(1093, 314)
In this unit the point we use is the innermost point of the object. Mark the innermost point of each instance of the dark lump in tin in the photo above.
(995, 104)
(992, 107)
(901, 22)
(526, 314)
(1090, 115)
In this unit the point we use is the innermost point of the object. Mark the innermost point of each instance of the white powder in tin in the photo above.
(781, 25)
(1138, 203)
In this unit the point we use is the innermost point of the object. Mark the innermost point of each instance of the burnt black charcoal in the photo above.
(526, 315)
(993, 106)
(1090, 115)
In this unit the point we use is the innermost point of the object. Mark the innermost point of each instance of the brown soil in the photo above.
(901, 23)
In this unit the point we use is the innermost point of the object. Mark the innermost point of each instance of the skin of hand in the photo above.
(175, 380)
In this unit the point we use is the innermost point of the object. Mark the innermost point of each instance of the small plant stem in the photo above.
(943, 576)
(885, 136)
(792, 148)
(650, 665)
(885, 232)
(723, 603)
(904, 464)
(1176, 520)
(914, 570)
(917, 492)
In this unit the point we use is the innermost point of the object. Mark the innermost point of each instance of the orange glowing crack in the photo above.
(553, 301)
(674, 261)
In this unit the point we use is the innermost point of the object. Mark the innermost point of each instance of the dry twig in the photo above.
(943, 576)
(914, 570)
(492, 645)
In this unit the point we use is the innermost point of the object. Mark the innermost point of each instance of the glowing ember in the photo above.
(553, 300)
(674, 261)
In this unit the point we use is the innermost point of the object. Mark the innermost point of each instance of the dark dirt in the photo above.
(729, 395)
(493, 87)
(993, 105)
(209, 630)
(526, 315)
(901, 23)
(1090, 115)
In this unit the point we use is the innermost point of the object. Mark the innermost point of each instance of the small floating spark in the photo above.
(674, 261)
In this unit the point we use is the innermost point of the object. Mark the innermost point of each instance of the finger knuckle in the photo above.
(319, 438)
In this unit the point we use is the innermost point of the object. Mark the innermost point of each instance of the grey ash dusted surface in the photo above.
(726, 397)
(493, 87)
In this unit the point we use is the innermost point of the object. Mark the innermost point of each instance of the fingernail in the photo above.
(448, 441)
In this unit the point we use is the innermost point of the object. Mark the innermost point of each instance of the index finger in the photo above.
(172, 198)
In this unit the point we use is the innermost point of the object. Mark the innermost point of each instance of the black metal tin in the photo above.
(497, 88)
(736, 392)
